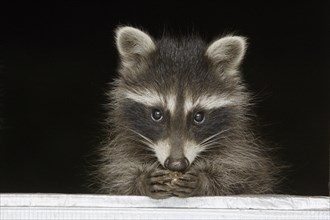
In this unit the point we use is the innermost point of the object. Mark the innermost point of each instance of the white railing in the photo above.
(68, 206)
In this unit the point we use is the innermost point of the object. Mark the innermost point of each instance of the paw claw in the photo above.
(165, 183)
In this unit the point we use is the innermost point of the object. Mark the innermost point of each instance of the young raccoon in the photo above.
(178, 121)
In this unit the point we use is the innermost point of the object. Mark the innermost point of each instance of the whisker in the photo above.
(212, 143)
(139, 134)
(142, 140)
(212, 136)
(142, 136)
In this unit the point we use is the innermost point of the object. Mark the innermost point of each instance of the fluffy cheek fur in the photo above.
(235, 172)
(126, 177)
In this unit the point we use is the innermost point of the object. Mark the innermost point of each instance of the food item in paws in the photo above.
(174, 176)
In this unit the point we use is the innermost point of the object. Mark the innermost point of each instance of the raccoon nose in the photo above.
(176, 164)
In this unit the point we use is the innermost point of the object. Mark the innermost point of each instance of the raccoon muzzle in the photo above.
(174, 164)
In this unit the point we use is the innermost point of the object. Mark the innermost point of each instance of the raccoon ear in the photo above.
(133, 45)
(227, 52)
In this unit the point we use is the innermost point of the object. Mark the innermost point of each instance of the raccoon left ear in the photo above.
(133, 45)
(227, 52)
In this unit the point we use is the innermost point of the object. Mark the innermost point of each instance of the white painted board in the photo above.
(69, 206)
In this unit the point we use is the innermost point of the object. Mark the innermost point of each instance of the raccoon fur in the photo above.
(180, 107)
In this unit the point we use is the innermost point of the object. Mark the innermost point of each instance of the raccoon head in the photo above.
(180, 97)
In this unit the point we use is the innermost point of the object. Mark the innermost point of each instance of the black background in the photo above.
(58, 57)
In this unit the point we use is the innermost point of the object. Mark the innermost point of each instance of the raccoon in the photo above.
(178, 122)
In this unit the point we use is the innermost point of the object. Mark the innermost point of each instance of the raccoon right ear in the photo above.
(227, 53)
(133, 45)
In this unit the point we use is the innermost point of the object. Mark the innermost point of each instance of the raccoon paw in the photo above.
(186, 185)
(158, 184)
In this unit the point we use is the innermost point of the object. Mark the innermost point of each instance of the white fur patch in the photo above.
(171, 103)
(191, 150)
(146, 97)
(162, 150)
(152, 98)
(208, 102)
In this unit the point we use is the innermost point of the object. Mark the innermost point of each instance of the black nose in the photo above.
(176, 164)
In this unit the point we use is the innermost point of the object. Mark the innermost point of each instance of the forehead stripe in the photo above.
(171, 103)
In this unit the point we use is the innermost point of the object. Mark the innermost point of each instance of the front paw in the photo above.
(185, 185)
(158, 184)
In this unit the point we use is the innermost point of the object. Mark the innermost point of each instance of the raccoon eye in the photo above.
(199, 118)
(157, 115)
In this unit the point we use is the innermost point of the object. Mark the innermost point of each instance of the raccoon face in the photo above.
(178, 96)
